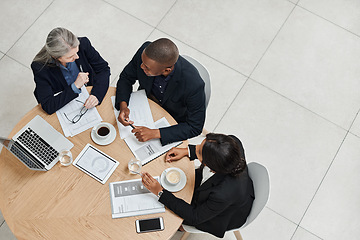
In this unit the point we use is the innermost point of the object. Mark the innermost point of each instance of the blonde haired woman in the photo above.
(63, 66)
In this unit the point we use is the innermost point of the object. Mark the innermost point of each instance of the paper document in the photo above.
(131, 198)
(140, 113)
(73, 108)
(149, 150)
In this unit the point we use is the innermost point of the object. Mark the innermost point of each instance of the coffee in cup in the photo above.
(102, 131)
(173, 177)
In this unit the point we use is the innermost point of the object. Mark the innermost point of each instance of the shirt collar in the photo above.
(68, 65)
(170, 75)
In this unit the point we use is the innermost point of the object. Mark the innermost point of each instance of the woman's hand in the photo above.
(91, 102)
(176, 154)
(150, 183)
(81, 79)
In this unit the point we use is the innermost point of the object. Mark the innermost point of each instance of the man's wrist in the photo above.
(123, 105)
(157, 133)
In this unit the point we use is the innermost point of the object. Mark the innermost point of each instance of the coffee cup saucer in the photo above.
(173, 188)
(106, 141)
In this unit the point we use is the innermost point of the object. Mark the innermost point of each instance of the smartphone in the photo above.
(149, 225)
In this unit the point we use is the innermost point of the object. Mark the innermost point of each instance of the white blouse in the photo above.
(207, 173)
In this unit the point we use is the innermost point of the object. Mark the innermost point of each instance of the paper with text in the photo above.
(140, 113)
(131, 198)
(90, 119)
(149, 150)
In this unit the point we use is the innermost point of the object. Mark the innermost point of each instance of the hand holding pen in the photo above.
(84, 76)
(123, 117)
(130, 124)
(92, 100)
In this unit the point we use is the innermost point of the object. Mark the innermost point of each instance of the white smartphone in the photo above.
(149, 225)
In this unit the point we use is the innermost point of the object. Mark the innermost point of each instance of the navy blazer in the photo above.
(50, 81)
(221, 203)
(184, 96)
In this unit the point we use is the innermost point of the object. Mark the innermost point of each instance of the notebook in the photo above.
(37, 144)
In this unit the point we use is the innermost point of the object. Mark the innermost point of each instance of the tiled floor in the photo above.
(285, 79)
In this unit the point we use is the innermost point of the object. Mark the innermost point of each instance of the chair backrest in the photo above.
(261, 181)
(204, 74)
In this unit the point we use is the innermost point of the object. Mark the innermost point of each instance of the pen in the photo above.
(130, 124)
(81, 69)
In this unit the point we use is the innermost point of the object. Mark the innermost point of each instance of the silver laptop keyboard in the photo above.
(28, 160)
(38, 146)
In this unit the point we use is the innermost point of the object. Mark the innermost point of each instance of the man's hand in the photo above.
(144, 134)
(91, 102)
(176, 154)
(150, 183)
(124, 114)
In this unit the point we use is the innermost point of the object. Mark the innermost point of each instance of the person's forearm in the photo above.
(123, 105)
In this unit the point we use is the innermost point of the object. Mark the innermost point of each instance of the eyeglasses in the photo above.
(77, 117)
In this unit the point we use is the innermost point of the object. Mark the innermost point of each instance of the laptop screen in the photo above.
(6, 142)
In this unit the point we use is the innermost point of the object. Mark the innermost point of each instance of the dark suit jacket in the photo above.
(49, 80)
(222, 203)
(184, 97)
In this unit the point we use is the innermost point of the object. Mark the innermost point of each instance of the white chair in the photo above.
(260, 177)
(204, 74)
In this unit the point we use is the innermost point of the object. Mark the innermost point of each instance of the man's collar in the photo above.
(170, 74)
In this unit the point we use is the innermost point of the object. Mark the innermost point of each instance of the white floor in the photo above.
(285, 79)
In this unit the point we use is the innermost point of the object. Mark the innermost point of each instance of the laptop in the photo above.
(37, 144)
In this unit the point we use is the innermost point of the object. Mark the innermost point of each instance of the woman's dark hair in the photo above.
(223, 154)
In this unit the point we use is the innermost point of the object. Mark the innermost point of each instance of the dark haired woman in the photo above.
(63, 66)
(223, 193)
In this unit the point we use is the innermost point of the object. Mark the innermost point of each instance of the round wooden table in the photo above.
(65, 203)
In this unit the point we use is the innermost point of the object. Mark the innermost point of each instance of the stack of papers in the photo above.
(90, 119)
(140, 113)
(131, 198)
(149, 150)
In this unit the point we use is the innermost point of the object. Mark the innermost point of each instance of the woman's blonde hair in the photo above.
(58, 43)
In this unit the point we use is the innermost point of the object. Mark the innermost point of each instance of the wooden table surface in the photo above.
(65, 203)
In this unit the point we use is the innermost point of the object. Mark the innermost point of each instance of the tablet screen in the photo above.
(95, 163)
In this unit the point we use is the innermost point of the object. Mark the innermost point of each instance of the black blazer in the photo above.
(184, 97)
(49, 80)
(222, 203)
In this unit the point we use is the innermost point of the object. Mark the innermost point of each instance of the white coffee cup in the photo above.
(102, 131)
(172, 177)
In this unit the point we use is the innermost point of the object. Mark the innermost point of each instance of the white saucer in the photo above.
(172, 188)
(106, 141)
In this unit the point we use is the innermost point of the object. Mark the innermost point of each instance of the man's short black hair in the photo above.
(163, 51)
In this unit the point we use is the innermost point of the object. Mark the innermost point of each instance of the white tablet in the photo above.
(95, 163)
